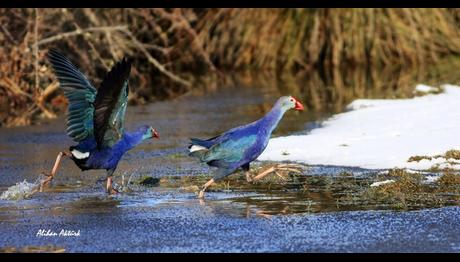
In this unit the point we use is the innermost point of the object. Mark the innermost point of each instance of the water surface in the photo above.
(253, 218)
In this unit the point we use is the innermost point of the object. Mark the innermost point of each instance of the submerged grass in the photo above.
(297, 193)
(410, 191)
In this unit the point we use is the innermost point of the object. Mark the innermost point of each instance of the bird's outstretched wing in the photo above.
(80, 93)
(110, 105)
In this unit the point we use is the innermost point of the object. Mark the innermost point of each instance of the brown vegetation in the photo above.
(175, 50)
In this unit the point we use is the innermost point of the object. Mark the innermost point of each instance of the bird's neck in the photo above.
(272, 118)
(131, 140)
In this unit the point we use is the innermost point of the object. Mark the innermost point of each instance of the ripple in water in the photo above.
(22, 190)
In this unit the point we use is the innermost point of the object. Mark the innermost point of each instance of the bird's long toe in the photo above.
(249, 177)
(279, 169)
(201, 194)
(46, 174)
(113, 191)
(45, 182)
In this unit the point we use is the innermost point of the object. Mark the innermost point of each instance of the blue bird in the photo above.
(239, 146)
(95, 118)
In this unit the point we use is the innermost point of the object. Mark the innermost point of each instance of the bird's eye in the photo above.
(292, 99)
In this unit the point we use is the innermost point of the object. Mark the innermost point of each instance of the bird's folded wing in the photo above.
(207, 143)
(80, 93)
(110, 105)
(230, 134)
(231, 150)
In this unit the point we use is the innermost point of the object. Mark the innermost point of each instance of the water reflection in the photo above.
(240, 98)
(330, 91)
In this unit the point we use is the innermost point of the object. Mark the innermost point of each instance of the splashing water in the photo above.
(21, 190)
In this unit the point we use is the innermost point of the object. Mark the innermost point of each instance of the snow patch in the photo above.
(381, 183)
(425, 89)
(379, 134)
(431, 179)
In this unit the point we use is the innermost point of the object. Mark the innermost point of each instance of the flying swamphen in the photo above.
(239, 146)
(95, 119)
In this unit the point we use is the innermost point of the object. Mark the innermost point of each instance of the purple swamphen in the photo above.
(239, 146)
(95, 118)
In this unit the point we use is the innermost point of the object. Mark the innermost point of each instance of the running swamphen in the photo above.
(95, 119)
(239, 146)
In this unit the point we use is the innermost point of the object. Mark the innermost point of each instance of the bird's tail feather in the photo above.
(197, 148)
(198, 153)
(200, 142)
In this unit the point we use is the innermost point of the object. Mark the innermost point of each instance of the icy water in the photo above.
(267, 217)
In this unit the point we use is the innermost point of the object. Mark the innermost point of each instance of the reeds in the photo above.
(289, 38)
(174, 50)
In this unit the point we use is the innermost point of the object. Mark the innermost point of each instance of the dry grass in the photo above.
(175, 50)
(450, 159)
(408, 191)
(331, 37)
(449, 183)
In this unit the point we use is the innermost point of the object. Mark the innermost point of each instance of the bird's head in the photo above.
(289, 102)
(149, 132)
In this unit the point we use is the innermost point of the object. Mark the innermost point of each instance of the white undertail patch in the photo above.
(79, 155)
(197, 148)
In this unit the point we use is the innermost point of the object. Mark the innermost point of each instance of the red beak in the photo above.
(298, 105)
(155, 134)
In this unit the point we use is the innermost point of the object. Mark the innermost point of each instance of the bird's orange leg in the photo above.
(263, 174)
(248, 176)
(51, 175)
(109, 187)
(280, 167)
(205, 186)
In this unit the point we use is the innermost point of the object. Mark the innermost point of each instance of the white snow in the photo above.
(379, 134)
(380, 183)
(431, 179)
(425, 89)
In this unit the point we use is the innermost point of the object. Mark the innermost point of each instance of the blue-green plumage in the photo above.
(80, 93)
(239, 146)
(95, 118)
